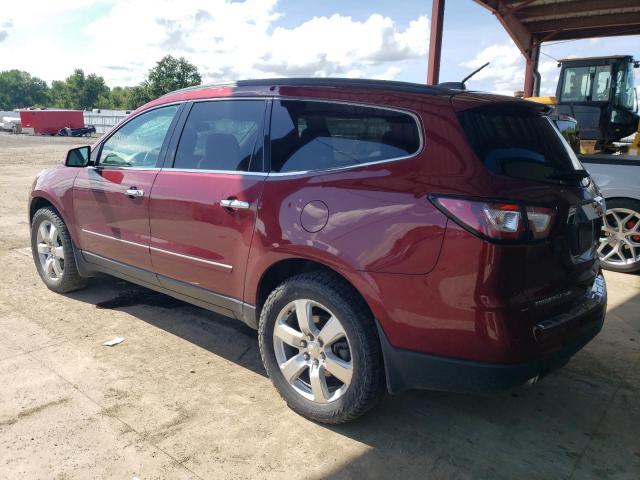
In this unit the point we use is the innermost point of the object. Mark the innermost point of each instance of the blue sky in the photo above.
(122, 39)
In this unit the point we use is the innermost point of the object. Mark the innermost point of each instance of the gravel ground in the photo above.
(185, 395)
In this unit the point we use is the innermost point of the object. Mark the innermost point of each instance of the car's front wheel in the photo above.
(619, 248)
(320, 348)
(52, 251)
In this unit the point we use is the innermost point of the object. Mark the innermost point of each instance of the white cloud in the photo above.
(389, 74)
(36, 11)
(325, 46)
(505, 73)
(226, 40)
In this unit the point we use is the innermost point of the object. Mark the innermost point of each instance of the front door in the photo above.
(203, 207)
(111, 199)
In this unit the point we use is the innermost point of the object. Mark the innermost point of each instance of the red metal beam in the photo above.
(521, 36)
(591, 33)
(520, 6)
(531, 87)
(435, 42)
(591, 7)
(516, 30)
(579, 23)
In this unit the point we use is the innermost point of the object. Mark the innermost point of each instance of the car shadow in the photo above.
(222, 336)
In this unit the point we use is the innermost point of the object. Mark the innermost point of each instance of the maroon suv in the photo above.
(379, 235)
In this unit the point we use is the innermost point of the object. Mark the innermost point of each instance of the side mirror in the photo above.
(78, 157)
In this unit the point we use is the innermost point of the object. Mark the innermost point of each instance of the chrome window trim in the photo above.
(232, 98)
(196, 259)
(148, 247)
(226, 172)
(114, 167)
(339, 169)
(412, 114)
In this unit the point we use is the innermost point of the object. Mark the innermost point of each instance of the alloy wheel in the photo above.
(620, 244)
(50, 250)
(313, 351)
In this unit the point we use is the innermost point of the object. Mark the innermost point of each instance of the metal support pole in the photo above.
(435, 42)
(531, 75)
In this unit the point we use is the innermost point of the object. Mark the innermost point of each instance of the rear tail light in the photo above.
(540, 221)
(503, 221)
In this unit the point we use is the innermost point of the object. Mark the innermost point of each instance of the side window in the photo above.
(307, 135)
(602, 84)
(220, 135)
(138, 142)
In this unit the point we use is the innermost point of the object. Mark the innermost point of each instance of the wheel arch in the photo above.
(622, 198)
(41, 200)
(286, 268)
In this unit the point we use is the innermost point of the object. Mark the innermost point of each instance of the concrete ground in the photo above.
(185, 395)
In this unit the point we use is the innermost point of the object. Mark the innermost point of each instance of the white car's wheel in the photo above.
(619, 248)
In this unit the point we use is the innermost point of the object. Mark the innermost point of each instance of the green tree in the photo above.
(139, 95)
(170, 74)
(94, 88)
(123, 98)
(20, 89)
(57, 94)
(78, 91)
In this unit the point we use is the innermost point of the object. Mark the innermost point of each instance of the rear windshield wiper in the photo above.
(570, 175)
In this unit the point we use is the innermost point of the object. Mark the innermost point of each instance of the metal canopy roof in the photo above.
(531, 22)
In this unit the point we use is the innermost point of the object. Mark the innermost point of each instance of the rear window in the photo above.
(519, 143)
(308, 135)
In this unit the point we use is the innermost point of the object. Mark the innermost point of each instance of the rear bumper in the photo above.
(407, 370)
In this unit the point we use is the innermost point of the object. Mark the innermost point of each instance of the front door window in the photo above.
(139, 141)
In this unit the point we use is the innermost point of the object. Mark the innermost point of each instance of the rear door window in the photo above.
(221, 135)
(308, 135)
(519, 143)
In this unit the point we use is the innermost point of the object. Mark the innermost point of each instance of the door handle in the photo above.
(134, 192)
(234, 203)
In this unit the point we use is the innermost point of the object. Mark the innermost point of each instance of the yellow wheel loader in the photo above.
(599, 92)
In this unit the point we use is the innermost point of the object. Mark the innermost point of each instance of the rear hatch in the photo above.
(532, 163)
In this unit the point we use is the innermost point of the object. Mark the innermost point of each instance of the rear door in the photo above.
(111, 199)
(203, 203)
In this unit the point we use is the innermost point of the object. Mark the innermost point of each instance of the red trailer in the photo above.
(49, 122)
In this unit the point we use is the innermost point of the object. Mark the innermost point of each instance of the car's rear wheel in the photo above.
(320, 348)
(52, 251)
(619, 248)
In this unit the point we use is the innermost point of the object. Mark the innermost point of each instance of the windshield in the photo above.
(586, 84)
(520, 143)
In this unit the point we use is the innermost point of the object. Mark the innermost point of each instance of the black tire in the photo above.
(367, 384)
(70, 279)
(629, 204)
